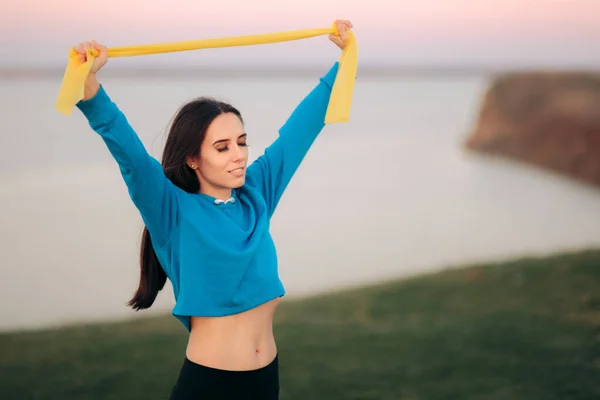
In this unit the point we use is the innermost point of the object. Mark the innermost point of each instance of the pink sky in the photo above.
(457, 31)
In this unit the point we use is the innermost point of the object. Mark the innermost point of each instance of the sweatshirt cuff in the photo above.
(99, 108)
(329, 77)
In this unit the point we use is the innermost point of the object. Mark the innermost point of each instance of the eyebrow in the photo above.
(227, 140)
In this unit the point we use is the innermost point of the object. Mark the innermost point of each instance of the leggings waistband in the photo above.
(200, 368)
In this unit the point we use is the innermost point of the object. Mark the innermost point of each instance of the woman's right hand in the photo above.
(101, 58)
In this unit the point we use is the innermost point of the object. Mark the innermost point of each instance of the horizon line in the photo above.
(371, 70)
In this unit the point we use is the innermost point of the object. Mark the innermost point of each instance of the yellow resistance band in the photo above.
(338, 110)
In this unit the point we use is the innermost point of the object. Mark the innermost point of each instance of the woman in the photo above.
(206, 215)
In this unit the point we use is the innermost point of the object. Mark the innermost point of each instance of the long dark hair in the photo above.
(186, 135)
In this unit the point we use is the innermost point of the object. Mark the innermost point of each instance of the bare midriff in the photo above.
(239, 342)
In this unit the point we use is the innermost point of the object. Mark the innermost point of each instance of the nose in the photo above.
(238, 155)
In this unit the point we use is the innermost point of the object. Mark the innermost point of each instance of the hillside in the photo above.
(522, 330)
(547, 119)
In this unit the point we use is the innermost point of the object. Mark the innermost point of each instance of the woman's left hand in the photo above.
(342, 26)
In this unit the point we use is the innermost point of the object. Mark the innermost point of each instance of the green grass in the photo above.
(527, 329)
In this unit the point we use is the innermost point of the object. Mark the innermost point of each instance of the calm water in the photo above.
(389, 194)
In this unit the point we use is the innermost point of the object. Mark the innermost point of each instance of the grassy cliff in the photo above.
(547, 119)
(527, 329)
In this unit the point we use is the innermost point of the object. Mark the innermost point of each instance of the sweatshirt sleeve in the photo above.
(151, 192)
(272, 171)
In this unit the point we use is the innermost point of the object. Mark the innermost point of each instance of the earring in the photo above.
(193, 166)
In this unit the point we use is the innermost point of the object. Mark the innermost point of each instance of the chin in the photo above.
(239, 182)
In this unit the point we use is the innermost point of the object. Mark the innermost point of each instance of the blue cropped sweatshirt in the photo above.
(219, 256)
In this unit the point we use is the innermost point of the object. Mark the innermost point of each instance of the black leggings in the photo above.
(205, 383)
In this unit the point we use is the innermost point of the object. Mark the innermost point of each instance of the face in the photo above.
(223, 157)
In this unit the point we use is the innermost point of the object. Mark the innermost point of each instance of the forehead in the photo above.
(226, 126)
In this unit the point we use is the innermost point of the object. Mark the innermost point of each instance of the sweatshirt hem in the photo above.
(184, 315)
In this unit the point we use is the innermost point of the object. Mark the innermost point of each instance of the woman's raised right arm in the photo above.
(152, 193)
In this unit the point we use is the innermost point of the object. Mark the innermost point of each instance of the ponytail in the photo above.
(152, 276)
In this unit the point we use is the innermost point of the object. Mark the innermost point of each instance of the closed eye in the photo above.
(224, 149)
(242, 142)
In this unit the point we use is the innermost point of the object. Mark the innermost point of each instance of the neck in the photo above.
(222, 194)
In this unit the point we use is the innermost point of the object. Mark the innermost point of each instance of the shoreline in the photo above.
(423, 272)
(286, 71)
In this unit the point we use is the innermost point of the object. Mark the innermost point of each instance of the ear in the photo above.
(191, 162)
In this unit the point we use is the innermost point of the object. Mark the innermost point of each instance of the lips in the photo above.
(238, 172)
